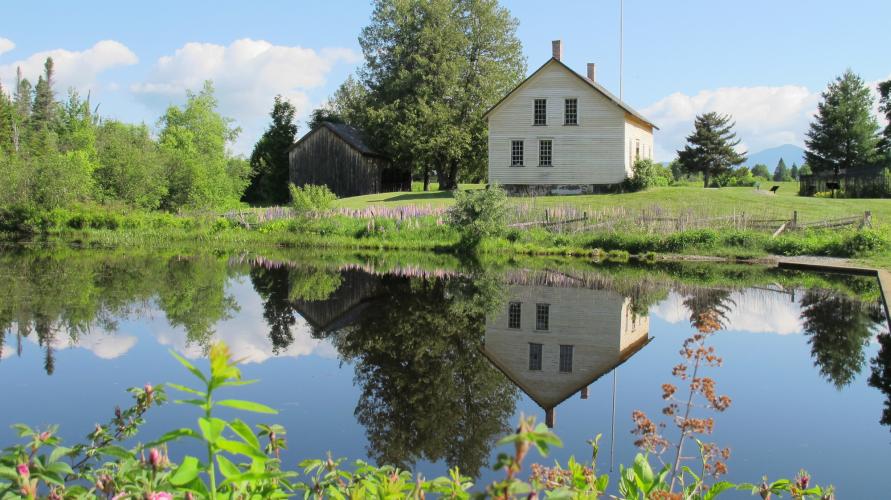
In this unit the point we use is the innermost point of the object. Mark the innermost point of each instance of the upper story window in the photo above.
(516, 153)
(542, 316)
(540, 113)
(566, 358)
(513, 315)
(535, 357)
(571, 112)
(545, 152)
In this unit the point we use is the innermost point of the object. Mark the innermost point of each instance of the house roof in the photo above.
(348, 133)
(594, 85)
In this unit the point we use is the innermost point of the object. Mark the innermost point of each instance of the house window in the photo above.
(630, 153)
(516, 153)
(542, 316)
(541, 112)
(513, 315)
(544, 153)
(636, 149)
(565, 358)
(535, 356)
(571, 112)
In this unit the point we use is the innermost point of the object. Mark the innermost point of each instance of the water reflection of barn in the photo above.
(357, 291)
(554, 340)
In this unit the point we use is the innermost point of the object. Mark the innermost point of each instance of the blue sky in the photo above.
(765, 62)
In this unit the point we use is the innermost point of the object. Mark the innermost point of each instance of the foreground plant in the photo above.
(241, 463)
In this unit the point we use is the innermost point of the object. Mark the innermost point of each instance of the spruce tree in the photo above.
(845, 133)
(269, 159)
(885, 107)
(781, 173)
(44, 110)
(711, 147)
(22, 95)
(793, 172)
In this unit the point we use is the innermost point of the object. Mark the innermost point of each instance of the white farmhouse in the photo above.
(559, 132)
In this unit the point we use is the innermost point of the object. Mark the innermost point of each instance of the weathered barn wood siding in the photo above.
(323, 158)
(597, 323)
(356, 287)
(591, 152)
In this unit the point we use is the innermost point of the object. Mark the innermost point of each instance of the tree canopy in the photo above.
(269, 159)
(711, 148)
(844, 134)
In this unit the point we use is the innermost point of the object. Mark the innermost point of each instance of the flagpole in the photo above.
(621, 42)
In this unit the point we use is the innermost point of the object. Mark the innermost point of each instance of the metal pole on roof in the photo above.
(621, 42)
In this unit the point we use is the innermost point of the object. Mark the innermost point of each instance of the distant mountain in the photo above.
(790, 153)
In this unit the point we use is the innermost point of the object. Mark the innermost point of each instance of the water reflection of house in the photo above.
(356, 292)
(552, 342)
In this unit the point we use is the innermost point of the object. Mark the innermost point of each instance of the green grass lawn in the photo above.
(708, 202)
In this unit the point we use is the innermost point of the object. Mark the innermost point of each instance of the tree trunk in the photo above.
(450, 180)
(705, 179)
(426, 179)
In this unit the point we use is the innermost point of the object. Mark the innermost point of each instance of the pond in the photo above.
(427, 364)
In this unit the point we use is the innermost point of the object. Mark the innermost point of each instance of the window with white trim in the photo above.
(636, 149)
(535, 357)
(516, 153)
(571, 112)
(545, 149)
(513, 315)
(542, 316)
(540, 113)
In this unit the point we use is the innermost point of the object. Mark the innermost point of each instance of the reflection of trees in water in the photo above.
(52, 297)
(839, 328)
(881, 375)
(272, 286)
(709, 308)
(427, 391)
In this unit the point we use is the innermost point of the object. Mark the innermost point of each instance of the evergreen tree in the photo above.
(781, 173)
(885, 107)
(845, 133)
(711, 147)
(269, 160)
(805, 170)
(44, 109)
(760, 170)
(22, 95)
(793, 172)
(7, 123)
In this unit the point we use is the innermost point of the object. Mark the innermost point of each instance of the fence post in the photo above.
(794, 220)
(547, 216)
(867, 219)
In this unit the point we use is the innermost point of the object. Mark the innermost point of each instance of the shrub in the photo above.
(478, 214)
(647, 174)
(311, 199)
(861, 243)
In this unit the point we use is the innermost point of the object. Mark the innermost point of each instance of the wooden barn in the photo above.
(336, 155)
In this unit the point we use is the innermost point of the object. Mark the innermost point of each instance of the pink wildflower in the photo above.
(23, 471)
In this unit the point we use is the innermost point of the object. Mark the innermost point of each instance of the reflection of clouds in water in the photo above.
(105, 345)
(247, 333)
(758, 311)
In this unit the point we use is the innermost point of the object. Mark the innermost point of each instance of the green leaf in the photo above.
(186, 472)
(58, 452)
(246, 406)
(239, 448)
(115, 451)
(174, 435)
(716, 489)
(245, 432)
(643, 470)
(189, 366)
(211, 428)
(227, 467)
(186, 389)
(61, 468)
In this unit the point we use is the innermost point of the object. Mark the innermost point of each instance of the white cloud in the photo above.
(103, 344)
(5, 45)
(247, 74)
(77, 69)
(765, 116)
(755, 311)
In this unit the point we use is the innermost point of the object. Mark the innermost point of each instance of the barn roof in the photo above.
(594, 86)
(351, 135)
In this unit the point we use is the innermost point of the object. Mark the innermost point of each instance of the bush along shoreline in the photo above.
(475, 224)
(245, 462)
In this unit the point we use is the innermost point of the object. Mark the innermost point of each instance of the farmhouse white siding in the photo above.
(598, 324)
(598, 150)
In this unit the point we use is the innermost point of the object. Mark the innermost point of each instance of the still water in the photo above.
(427, 365)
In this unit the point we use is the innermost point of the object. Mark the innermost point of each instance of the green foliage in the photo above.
(710, 149)
(431, 70)
(737, 177)
(478, 214)
(782, 173)
(760, 170)
(194, 140)
(131, 167)
(647, 174)
(884, 89)
(844, 134)
(269, 159)
(311, 199)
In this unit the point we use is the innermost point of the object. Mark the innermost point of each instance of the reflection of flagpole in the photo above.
(612, 437)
